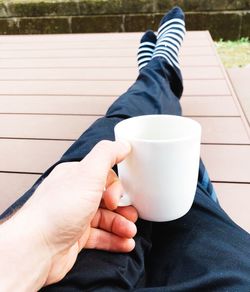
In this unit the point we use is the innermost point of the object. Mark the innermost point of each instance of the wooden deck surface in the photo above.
(240, 79)
(52, 87)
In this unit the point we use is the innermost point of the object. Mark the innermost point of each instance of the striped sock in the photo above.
(170, 36)
(146, 48)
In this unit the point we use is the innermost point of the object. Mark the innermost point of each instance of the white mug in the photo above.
(160, 174)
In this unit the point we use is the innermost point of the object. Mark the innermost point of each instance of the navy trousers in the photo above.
(202, 251)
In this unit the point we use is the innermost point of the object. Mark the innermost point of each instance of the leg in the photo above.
(204, 250)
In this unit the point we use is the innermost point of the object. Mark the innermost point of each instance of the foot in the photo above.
(170, 36)
(146, 48)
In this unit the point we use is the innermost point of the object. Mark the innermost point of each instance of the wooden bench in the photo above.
(52, 87)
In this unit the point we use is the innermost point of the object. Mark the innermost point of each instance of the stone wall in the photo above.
(227, 19)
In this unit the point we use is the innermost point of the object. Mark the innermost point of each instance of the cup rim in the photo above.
(194, 123)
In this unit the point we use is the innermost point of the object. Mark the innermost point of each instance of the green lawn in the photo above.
(234, 53)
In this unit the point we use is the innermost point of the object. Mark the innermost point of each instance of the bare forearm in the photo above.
(24, 263)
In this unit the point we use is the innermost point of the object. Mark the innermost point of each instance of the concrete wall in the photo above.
(227, 19)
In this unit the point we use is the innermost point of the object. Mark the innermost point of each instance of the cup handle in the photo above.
(124, 201)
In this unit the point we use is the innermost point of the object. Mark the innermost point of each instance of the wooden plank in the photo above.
(227, 163)
(198, 73)
(224, 162)
(126, 62)
(206, 87)
(61, 104)
(223, 130)
(83, 37)
(31, 156)
(53, 44)
(209, 106)
(90, 52)
(13, 185)
(57, 87)
(83, 105)
(187, 50)
(214, 130)
(199, 36)
(99, 73)
(44, 126)
(74, 74)
(97, 62)
(100, 87)
(235, 200)
(69, 53)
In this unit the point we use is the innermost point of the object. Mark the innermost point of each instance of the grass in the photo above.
(234, 53)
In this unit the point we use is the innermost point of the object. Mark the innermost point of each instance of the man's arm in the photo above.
(40, 243)
(24, 261)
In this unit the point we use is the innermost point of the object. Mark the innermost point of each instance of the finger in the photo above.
(113, 192)
(128, 212)
(105, 154)
(112, 195)
(103, 240)
(112, 177)
(113, 223)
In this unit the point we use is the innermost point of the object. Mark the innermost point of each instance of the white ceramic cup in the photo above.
(160, 174)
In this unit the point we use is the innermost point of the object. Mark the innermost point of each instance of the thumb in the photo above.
(105, 155)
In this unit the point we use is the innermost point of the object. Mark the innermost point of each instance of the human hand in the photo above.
(66, 212)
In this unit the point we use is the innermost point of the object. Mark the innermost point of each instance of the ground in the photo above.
(234, 53)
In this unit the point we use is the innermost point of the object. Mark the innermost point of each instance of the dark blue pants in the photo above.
(202, 251)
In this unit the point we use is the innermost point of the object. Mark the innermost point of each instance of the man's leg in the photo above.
(204, 250)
